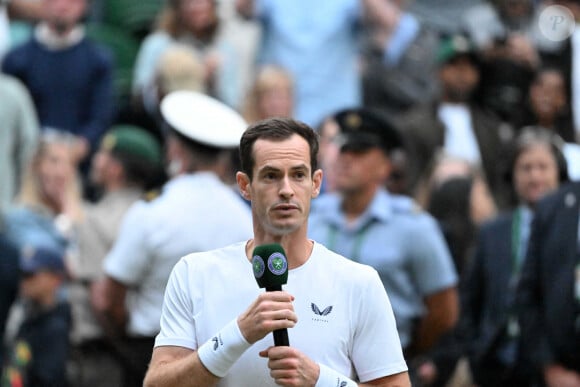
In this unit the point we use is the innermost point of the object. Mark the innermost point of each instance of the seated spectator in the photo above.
(445, 168)
(565, 58)
(48, 202)
(508, 37)
(456, 123)
(38, 353)
(271, 95)
(547, 104)
(197, 25)
(73, 88)
(178, 68)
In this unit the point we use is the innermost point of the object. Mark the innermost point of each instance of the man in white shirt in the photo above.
(216, 323)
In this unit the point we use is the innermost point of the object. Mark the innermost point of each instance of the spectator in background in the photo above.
(318, 44)
(47, 204)
(548, 107)
(68, 76)
(460, 202)
(547, 104)
(566, 60)
(271, 95)
(195, 212)
(18, 137)
(178, 68)
(455, 124)
(489, 323)
(329, 148)
(548, 295)
(388, 232)
(508, 38)
(127, 164)
(196, 24)
(12, 10)
(399, 70)
(38, 353)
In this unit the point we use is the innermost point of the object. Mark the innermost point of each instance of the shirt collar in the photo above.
(47, 38)
(379, 209)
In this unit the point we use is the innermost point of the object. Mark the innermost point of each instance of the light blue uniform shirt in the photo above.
(403, 244)
(317, 43)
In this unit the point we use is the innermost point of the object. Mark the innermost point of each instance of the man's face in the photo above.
(358, 171)
(535, 173)
(101, 166)
(282, 186)
(459, 78)
(64, 14)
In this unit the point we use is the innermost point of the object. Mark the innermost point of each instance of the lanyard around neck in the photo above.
(357, 246)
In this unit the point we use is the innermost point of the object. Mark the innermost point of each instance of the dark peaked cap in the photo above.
(362, 129)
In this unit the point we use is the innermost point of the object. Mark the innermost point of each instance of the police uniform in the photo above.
(401, 242)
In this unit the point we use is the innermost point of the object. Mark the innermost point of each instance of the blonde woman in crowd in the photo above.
(49, 201)
(271, 95)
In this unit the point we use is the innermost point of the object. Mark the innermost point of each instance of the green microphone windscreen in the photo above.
(270, 266)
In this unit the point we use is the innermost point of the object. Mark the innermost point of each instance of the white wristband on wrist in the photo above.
(330, 378)
(220, 353)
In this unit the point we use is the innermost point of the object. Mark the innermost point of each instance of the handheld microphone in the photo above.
(271, 271)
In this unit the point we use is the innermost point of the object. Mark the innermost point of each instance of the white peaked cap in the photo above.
(203, 119)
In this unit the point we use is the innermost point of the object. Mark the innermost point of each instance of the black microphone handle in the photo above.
(281, 338)
(280, 335)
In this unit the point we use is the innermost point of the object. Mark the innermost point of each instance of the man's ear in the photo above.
(243, 181)
(316, 183)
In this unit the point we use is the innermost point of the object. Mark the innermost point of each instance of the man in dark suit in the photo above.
(548, 297)
(489, 321)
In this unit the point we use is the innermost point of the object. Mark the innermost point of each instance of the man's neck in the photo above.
(296, 246)
(58, 40)
(354, 204)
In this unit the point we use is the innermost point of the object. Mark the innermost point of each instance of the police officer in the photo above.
(365, 223)
(196, 211)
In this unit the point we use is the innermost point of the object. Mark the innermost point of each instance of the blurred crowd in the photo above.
(462, 195)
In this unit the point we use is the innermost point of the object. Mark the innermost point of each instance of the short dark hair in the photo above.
(275, 129)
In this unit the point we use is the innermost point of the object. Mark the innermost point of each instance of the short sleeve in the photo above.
(129, 255)
(177, 315)
(376, 348)
(431, 264)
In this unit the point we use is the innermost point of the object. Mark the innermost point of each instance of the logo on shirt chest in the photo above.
(320, 315)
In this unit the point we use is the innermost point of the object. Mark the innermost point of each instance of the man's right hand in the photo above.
(269, 312)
